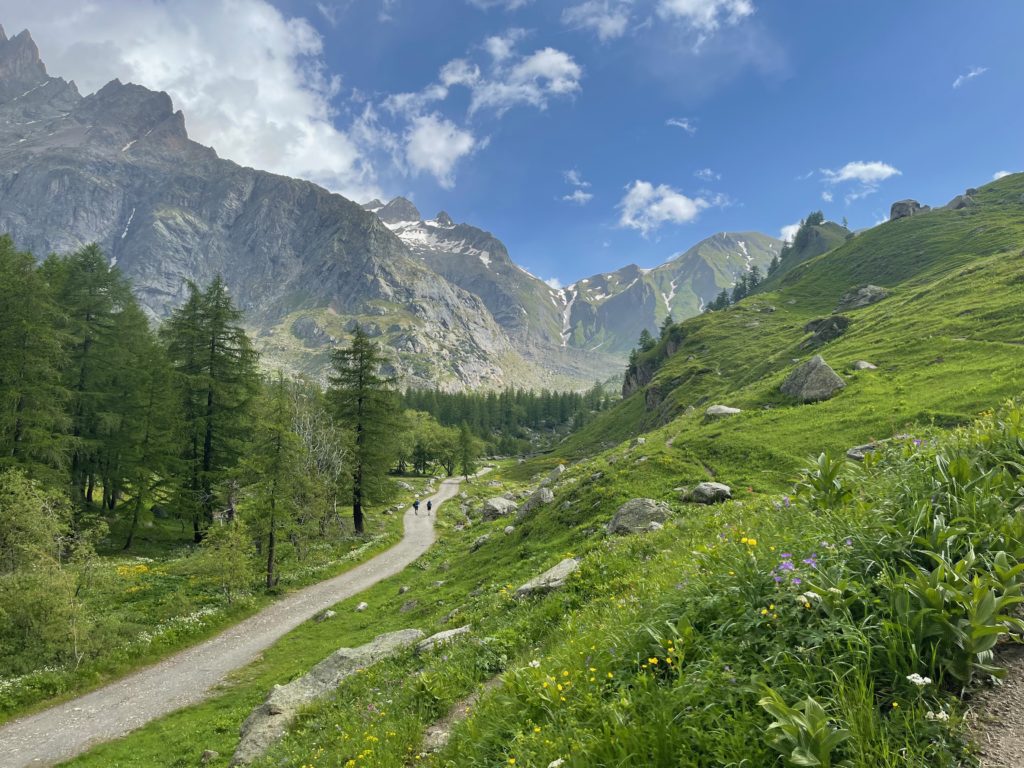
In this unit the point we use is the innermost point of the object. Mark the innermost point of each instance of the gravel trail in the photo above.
(186, 678)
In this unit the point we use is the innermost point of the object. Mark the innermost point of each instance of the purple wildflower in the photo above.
(797, 580)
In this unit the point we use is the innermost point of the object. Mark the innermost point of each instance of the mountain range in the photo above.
(446, 300)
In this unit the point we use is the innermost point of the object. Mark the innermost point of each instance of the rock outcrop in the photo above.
(552, 579)
(903, 209)
(539, 498)
(269, 721)
(636, 515)
(864, 365)
(812, 381)
(861, 296)
(707, 493)
(441, 638)
(498, 506)
(721, 412)
(825, 329)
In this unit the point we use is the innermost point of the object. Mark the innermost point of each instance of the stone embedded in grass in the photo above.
(812, 381)
(551, 579)
(362, 607)
(636, 516)
(639, 441)
(557, 472)
(825, 329)
(721, 411)
(509, 530)
(861, 296)
(538, 498)
(324, 615)
(864, 365)
(480, 541)
(269, 721)
(408, 605)
(441, 638)
(403, 589)
(498, 506)
(707, 493)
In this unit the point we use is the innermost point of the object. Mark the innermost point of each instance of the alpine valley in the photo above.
(117, 168)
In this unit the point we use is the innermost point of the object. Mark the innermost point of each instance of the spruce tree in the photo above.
(365, 403)
(469, 450)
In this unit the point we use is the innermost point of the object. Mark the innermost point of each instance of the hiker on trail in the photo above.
(416, 507)
(430, 506)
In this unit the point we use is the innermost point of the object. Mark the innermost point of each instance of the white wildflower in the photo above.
(534, 664)
(919, 681)
(942, 715)
(556, 763)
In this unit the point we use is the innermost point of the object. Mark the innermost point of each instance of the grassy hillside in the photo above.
(802, 615)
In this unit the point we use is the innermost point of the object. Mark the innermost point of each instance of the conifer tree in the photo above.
(32, 395)
(469, 450)
(366, 404)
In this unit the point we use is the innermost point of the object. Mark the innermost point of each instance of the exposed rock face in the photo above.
(479, 542)
(441, 638)
(538, 498)
(551, 579)
(861, 296)
(721, 411)
(269, 721)
(812, 381)
(636, 515)
(903, 209)
(498, 507)
(864, 365)
(708, 493)
(959, 202)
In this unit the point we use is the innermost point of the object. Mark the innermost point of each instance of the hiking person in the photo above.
(430, 505)
(416, 507)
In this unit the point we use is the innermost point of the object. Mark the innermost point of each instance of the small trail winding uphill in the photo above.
(187, 678)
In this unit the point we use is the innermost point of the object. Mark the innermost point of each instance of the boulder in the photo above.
(498, 507)
(720, 412)
(408, 605)
(825, 329)
(707, 493)
(864, 365)
(441, 638)
(403, 589)
(208, 756)
(812, 381)
(269, 721)
(959, 202)
(551, 579)
(636, 515)
(403, 485)
(903, 209)
(538, 498)
(639, 441)
(480, 541)
(324, 615)
(861, 296)
(509, 530)
(362, 607)
(557, 472)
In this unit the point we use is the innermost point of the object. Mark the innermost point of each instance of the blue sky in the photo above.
(586, 134)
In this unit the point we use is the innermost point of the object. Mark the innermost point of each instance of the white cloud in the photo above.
(865, 172)
(707, 175)
(682, 122)
(969, 75)
(607, 18)
(501, 46)
(554, 282)
(265, 104)
(434, 144)
(788, 232)
(573, 177)
(1001, 175)
(578, 196)
(459, 72)
(530, 80)
(826, 196)
(705, 15)
(646, 207)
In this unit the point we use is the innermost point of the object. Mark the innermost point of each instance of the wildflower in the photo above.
(534, 664)
(848, 542)
(556, 763)
(653, 660)
(536, 729)
(919, 681)
(511, 761)
(942, 715)
(895, 705)
(797, 580)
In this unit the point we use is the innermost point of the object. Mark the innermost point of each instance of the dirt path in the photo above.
(187, 678)
(997, 716)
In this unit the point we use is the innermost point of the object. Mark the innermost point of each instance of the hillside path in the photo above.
(187, 677)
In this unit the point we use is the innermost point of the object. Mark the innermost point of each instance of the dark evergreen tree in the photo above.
(773, 267)
(366, 403)
(665, 325)
(469, 450)
(646, 342)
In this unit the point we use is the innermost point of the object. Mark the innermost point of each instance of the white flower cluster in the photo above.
(919, 681)
(534, 664)
(942, 715)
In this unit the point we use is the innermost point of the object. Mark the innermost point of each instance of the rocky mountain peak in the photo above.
(398, 210)
(443, 219)
(20, 65)
(373, 206)
(125, 112)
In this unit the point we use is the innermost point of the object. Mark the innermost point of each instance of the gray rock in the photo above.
(708, 493)
(903, 209)
(362, 607)
(480, 541)
(654, 526)
(208, 756)
(636, 515)
(403, 589)
(404, 485)
(959, 202)
(498, 507)
(441, 638)
(541, 497)
(557, 472)
(720, 411)
(509, 530)
(639, 441)
(864, 365)
(861, 296)
(269, 721)
(438, 584)
(408, 605)
(324, 615)
(551, 579)
(812, 381)
(825, 329)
